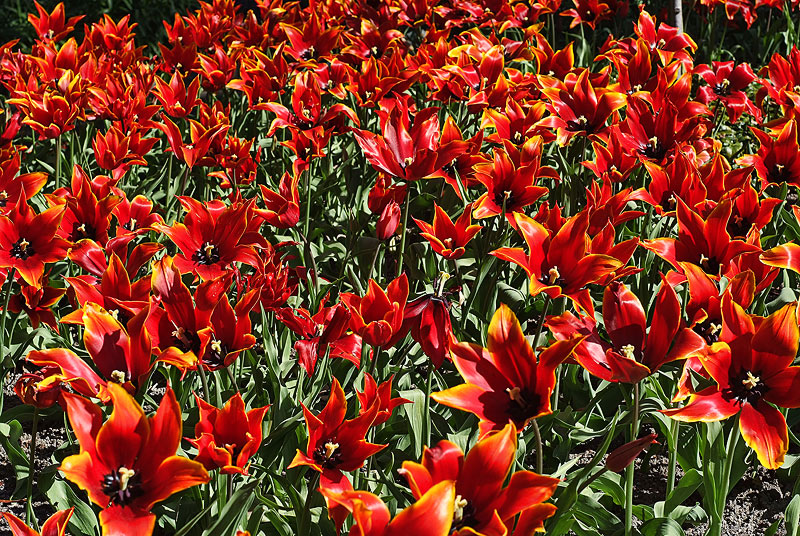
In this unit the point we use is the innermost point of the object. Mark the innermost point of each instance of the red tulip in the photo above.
(128, 464)
(56, 524)
(378, 316)
(226, 438)
(751, 366)
(489, 497)
(506, 382)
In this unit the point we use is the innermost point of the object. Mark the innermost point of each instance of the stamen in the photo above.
(125, 475)
(330, 448)
(627, 351)
(751, 381)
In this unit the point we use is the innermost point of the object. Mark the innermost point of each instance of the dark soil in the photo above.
(49, 436)
(755, 503)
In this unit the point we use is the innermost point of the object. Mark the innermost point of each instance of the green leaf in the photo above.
(793, 516)
(83, 520)
(662, 526)
(690, 482)
(416, 417)
(234, 510)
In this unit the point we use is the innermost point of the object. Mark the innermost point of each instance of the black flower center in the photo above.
(463, 514)
(328, 455)
(746, 387)
(506, 197)
(185, 340)
(653, 150)
(523, 404)
(21, 249)
(722, 89)
(708, 329)
(580, 124)
(215, 354)
(206, 255)
(81, 231)
(122, 486)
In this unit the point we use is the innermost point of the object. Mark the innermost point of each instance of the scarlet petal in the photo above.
(784, 256)
(532, 519)
(525, 489)
(487, 464)
(511, 353)
(122, 436)
(173, 475)
(125, 521)
(784, 388)
(432, 515)
(18, 527)
(706, 406)
(764, 429)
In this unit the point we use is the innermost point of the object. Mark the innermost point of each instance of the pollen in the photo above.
(330, 448)
(216, 346)
(125, 475)
(118, 376)
(516, 396)
(114, 314)
(458, 508)
(408, 161)
(553, 274)
(750, 381)
(208, 247)
(627, 351)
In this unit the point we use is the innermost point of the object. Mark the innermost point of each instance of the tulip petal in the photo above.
(125, 521)
(764, 429)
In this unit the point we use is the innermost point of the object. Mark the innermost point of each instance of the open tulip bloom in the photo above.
(361, 267)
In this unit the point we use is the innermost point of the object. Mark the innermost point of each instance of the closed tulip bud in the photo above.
(389, 221)
(623, 456)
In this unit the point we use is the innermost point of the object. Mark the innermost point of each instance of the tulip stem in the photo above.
(722, 497)
(307, 220)
(29, 517)
(539, 454)
(629, 472)
(58, 161)
(204, 381)
(428, 422)
(674, 432)
(4, 315)
(401, 251)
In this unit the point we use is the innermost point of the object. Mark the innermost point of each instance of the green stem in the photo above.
(674, 431)
(29, 517)
(4, 314)
(204, 381)
(406, 210)
(629, 472)
(539, 454)
(58, 161)
(307, 221)
(722, 497)
(428, 423)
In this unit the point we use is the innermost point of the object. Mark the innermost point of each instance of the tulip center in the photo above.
(130, 225)
(552, 277)
(122, 486)
(654, 149)
(21, 249)
(185, 340)
(81, 231)
(779, 173)
(708, 330)
(747, 387)
(579, 124)
(504, 199)
(328, 455)
(3, 198)
(723, 88)
(215, 353)
(463, 513)
(206, 255)
(117, 376)
(523, 404)
(627, 351)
